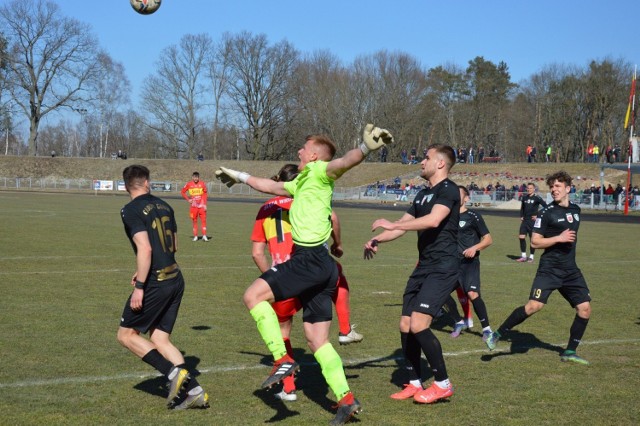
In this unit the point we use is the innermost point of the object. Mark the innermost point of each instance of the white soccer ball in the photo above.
(145, 7)
(395, 204)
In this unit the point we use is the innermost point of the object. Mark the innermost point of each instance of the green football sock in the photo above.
(269, 329)
(332, 370)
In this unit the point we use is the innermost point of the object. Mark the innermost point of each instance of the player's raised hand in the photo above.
(374, 138)
(230, 177)
(370, 249)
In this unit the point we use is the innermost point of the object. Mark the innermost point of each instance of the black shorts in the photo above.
(310, 275)
(470, 275)
(570, 284)
(526, 226)
(427, 290)
(160, 307)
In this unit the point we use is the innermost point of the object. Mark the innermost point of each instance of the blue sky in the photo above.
(527, 35)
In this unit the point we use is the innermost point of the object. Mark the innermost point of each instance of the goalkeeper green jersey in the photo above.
(310, 214)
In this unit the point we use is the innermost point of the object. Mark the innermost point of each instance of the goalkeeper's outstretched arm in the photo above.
(267, 186)
(373, 138)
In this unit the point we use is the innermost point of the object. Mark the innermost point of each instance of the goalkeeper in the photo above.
(311, 273)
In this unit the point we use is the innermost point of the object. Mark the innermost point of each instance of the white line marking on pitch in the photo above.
(347, 362)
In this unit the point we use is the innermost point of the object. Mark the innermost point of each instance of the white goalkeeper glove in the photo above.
(374, 138)
(231, 177)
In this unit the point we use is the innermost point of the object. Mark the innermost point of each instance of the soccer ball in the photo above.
(145, 7)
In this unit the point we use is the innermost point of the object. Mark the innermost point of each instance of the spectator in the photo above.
(383, 154)
(596, 153)
(480, 154)
(534, 152)
(547, 155)
(404, 157)
(471, 155)
(53, 154)
(528, 153)
(200, 156)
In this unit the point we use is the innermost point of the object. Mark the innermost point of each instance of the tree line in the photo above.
(244, 97)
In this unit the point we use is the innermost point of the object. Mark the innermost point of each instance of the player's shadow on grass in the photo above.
(520, 343)
(513, 257)
(399, 374)
(158, 385)
(309, 382)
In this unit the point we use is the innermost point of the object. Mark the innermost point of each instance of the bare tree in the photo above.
(111, 96)
(51, 59)
(175, 96)
(449, 90)
(259, 89)
(219, 75)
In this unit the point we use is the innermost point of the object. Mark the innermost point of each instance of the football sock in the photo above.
(531, 251)
(332, 370)
(444, 384)
(195, 390)
(157, 361)
(417, 383)
(433, 351)
(464, 302)
(523, 247)
(289, 381)
(481, 311)
(341, 301)
(517, 316)
(577, 331)
(203, 223)
(195, 228)
(269, 329)
(411, 351)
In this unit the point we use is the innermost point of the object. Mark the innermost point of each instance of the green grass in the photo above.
(65, 265)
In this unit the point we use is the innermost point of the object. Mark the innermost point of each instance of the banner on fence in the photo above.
(161, 186)
(102, 185)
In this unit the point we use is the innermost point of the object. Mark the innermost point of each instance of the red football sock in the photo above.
(341, 300)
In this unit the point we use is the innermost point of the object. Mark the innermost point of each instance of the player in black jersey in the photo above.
(531, 203)
(473, 236)
(556, 231)
(158, 286)
(434, 216)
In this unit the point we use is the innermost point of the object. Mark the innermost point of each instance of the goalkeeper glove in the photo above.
(374, 138)
(231, 177)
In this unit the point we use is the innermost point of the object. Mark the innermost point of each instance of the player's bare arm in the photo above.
(143, 264)
(485, 241)
(371, 246)
(432, 220)
(538, 241)
(259, 255)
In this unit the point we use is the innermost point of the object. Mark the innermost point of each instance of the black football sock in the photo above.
(157, 361)
(481, 311)
(523, 246)
(517, 316)
(411, 351)
(433, 351)
(577, 331)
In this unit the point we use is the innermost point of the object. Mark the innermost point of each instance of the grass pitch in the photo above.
(65, 265)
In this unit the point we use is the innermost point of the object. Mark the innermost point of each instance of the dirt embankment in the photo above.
(507, 174)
